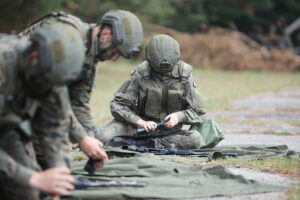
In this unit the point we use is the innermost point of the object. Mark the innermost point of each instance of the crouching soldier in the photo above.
(34, 107)
(118, 33)
(161, 89)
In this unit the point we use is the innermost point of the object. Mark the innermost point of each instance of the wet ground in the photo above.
(271, 118)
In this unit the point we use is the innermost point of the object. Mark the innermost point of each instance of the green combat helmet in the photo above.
(127, 31)
(162, 53)
(60, 52)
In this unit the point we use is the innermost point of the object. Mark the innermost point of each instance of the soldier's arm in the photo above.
(194, 108)
(12, 169)
(80, 95)
(122, 106)
(51, 125)
(76, 131)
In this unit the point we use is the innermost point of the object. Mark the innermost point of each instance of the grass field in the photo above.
(217, 88)
(285, 166)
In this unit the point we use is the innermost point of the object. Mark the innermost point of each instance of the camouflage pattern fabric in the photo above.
(162, 139)
(48, 124)
(152, 96)
(16, 164)
(46, 121)
(80, 91)
(23, 119)
(80, 95)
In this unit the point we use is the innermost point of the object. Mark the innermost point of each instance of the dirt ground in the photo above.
(271, 118)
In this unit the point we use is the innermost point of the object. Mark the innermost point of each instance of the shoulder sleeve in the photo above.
(80, 95)
(123, 105)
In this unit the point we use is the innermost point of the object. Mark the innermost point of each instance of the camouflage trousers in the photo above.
(176, 138)
(24, 154)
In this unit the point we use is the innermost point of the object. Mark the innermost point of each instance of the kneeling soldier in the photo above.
(161, 89)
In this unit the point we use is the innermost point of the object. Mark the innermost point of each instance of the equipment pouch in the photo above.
(175, 100)
(210, 132)
(153, 102)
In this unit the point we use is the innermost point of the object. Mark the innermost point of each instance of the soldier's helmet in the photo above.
(127, 31)
(162, 53)
(60, 52)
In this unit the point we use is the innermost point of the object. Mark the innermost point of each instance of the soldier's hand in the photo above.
(94, 148)
(171, 120)
(148, 125)
(55, 197)
(56, 181)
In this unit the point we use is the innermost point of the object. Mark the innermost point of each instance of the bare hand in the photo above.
(147, 125)
(55, 197)
(94, 148)
(171, 120)
(55, 181)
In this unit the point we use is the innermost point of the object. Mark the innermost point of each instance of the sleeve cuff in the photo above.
(181, 116)
(134, 120)
(77, 132)
(76, 136)
(24, 175)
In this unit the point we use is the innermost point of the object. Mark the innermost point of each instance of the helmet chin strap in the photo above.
(105, 53)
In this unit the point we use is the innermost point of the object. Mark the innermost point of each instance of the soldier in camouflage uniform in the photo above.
(161, 89)
(118, 33)
(34, 106)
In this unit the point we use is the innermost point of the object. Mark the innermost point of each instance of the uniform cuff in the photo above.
(23, 175)
(77, 133)
(134, 120)
(181, 116)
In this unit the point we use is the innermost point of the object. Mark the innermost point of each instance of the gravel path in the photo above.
(266, 113)
(272, 119)
(293, 142)
(274, 179)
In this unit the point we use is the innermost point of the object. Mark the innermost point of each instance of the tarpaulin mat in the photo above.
(164, 179)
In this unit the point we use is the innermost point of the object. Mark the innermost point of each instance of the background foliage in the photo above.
(182, 15)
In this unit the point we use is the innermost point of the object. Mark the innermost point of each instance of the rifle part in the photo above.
(81, 184)
(89, 166)
(142, 131)
(173, 151)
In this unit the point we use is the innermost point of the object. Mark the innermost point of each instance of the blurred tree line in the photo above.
(182, 15)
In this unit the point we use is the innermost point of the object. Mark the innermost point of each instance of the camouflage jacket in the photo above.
(10, 167)
(44, 119)
(79, 91)
(151, 96)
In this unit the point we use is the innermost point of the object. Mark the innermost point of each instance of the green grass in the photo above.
(287, 166)
(217, 88)
(295, 193)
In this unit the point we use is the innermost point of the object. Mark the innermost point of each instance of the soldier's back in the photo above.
(62, 18)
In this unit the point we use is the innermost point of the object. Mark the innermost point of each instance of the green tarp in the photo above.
(170, 180)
